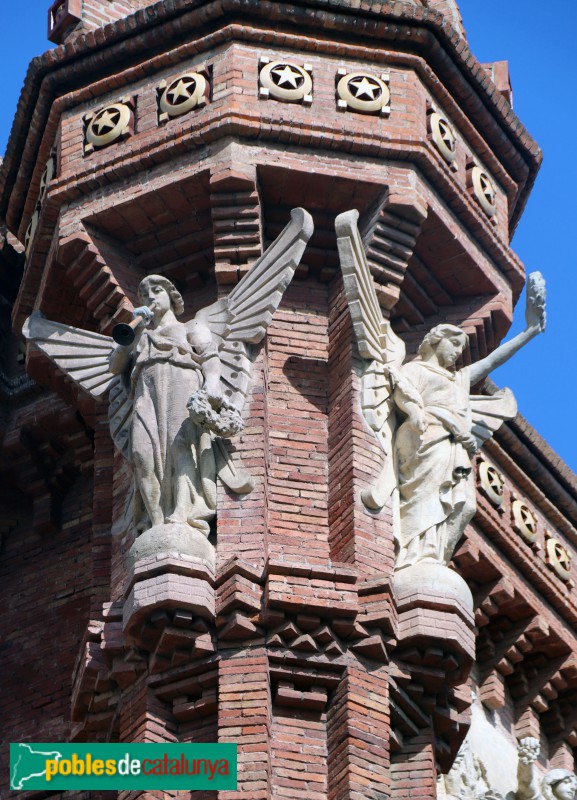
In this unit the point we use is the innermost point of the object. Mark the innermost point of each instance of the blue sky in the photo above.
(537, 41)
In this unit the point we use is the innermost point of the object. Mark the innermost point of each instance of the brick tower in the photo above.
(175, 137)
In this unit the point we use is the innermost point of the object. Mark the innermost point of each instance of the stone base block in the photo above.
(171, 568)
(171, 538)
(436, 621)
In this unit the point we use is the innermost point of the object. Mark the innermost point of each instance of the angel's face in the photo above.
(156, 298)
(565, 789)
(448, 350)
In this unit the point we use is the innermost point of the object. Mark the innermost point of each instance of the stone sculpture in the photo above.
(422, 413)
(558, 784)
(179, 389)
(467, 779)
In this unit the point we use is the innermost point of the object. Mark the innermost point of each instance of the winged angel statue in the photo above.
(425, 419)
(179, 389)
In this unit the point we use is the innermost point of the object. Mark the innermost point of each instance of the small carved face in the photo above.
(154, 295)
(449, 349)
(566, 789)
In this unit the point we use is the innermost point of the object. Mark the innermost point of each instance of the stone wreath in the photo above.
(226, 422)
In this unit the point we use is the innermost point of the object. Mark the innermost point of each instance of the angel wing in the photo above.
(83, 356)
(379, 347)
(242, 318)
(488, 412)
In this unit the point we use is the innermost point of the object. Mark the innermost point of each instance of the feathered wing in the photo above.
(489, 412)
(379, 347)
(241, 320)
(243, 317)
(120, 405)
(83, 356)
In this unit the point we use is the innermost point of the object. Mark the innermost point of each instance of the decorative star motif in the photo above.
(364, 88)
(181, 90)
(106, 121)
(527, 518)
(495, 481)
(44, 180)
(287, 77)
(562, 556)
(447, 135)
(487, 189)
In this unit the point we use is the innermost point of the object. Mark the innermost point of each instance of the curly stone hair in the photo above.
(176, 300)
(437, 334)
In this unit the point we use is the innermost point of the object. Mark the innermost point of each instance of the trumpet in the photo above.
(124, 333)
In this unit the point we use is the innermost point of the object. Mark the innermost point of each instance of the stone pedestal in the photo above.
(181, 539)
(170, 571)
(436, 622)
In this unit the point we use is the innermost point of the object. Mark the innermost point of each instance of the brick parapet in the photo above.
(152, 145)
(467, 64)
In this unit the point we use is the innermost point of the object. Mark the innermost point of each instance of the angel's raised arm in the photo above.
(535, 323)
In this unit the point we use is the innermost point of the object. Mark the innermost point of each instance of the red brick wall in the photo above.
(299, 754)
(97, 13)
(47, 591)
(296, 404)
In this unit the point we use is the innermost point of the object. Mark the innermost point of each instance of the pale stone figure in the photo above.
(467, 779)
(422, 413)
(173, 459)
(179, 388)
(558, 784)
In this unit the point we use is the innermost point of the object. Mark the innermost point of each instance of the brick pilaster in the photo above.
(244, 718)
(358, 746)
(413, 775)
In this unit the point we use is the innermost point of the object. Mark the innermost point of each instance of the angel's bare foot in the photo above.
(176, 518)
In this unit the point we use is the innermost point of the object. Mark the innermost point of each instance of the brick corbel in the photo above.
(239, 601)
(389, 233)
(90, 267)
(95, 692)
(236, 219)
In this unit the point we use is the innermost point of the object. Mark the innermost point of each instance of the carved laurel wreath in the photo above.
(226, 423)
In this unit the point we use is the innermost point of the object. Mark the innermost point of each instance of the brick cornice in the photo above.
(424, 31)
(552, 485)
(536, 575)
(531, 449)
